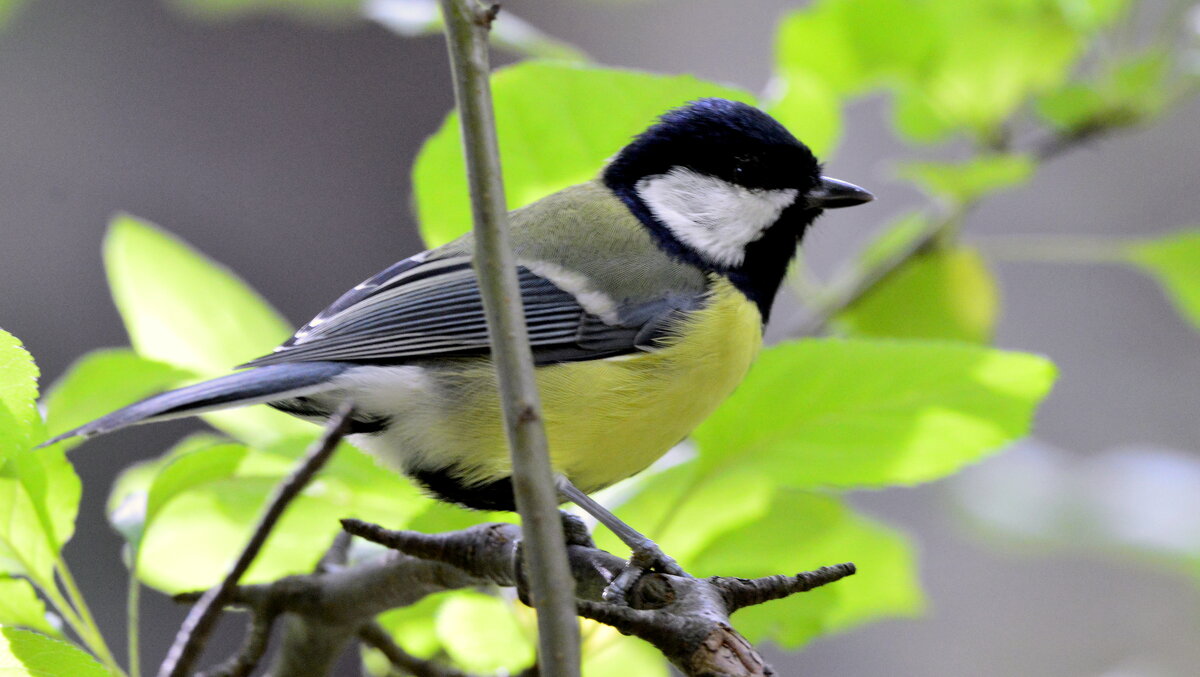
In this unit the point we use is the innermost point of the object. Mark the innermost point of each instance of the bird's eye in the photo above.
(743, 165)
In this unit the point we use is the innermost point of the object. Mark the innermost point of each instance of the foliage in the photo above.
(535, 102)
(1174, 261)
(28, 654)
(39, 497)
(910, 392)
(9, 9)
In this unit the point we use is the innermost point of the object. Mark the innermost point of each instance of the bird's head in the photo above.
(725, 186)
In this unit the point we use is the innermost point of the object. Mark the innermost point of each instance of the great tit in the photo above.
(645, 290)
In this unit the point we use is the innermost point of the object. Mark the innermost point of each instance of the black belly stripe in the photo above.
(448, 486)
(307, 408)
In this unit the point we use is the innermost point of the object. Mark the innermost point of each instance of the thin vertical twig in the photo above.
(189, 642)
(551, 585)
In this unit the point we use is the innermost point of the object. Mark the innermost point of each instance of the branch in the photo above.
(193, 634)
(467, 25)
(853, 286)
(374, 636)
(687, 619)
(846, 291)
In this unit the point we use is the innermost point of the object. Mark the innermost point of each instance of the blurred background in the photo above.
(283, 149)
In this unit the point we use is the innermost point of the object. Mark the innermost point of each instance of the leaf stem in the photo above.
(551, 585)
(133, 615)
(192, 635)
(849, 287)
(1053, 248)
(79, 617)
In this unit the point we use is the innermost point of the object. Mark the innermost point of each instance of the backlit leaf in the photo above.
(39, 490)
(1174, 261)
(413, 629)
(966, 182)
(181, 308)
(481, 634)
(938, 294)
(19, 605)
(103, 381)
(28, 654)
(189, 516)
(39, 497)
(184, 310)
(20, 423)
(557, 123)
(608, 653)
(683, 512)
(1130, 90)
(869, 413)
(809, 109)
(805, 531)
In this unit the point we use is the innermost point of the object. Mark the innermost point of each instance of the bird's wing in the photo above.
(431, 307)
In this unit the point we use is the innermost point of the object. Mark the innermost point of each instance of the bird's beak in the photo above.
(832, 194)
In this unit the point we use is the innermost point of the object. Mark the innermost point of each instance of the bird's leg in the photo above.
(646, 554)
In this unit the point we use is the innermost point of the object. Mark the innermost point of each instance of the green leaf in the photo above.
(39, 490)
(20, 423)
(413, 629)
(938, 294)
(312, 11)
(1174, 261)
(1092, 15)
(39, 497)
(893, 239)
(804, 531)
(184, 310)
(102, 381)
(28, 654)
(809, 109)
(19, 605)
(608, 653)
(1074, 106)
(1132, 89)
(988, 69)
(8, 9)
(873, 413)
(134, 481)
(552, 134)
(1138, 81)
(189, 470)
(851, 46)
(683, 512)
(954, 66)
(188, 515)
(966, 182)
(481, 634)
(181, 308)
(200, 532)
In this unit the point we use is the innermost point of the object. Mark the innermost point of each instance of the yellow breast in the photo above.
(609, 419)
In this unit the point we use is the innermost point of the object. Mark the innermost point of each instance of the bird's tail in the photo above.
(254, 386)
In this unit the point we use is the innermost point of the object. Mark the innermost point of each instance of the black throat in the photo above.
(762, 269)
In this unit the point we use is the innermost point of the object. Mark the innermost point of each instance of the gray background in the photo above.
(283, 150)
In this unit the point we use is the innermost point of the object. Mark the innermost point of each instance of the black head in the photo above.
(717, 137)
(724, 186)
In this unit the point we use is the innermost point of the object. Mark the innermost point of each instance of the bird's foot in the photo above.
(646, 556)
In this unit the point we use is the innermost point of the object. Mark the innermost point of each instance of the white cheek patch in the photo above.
(714, 217)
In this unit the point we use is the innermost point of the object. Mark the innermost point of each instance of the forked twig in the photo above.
(194, 632)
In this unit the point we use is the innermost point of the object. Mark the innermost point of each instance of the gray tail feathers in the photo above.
(254, 386)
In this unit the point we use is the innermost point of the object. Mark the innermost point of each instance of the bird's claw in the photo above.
(646, 556)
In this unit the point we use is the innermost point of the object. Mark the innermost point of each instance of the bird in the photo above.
(646, 291)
